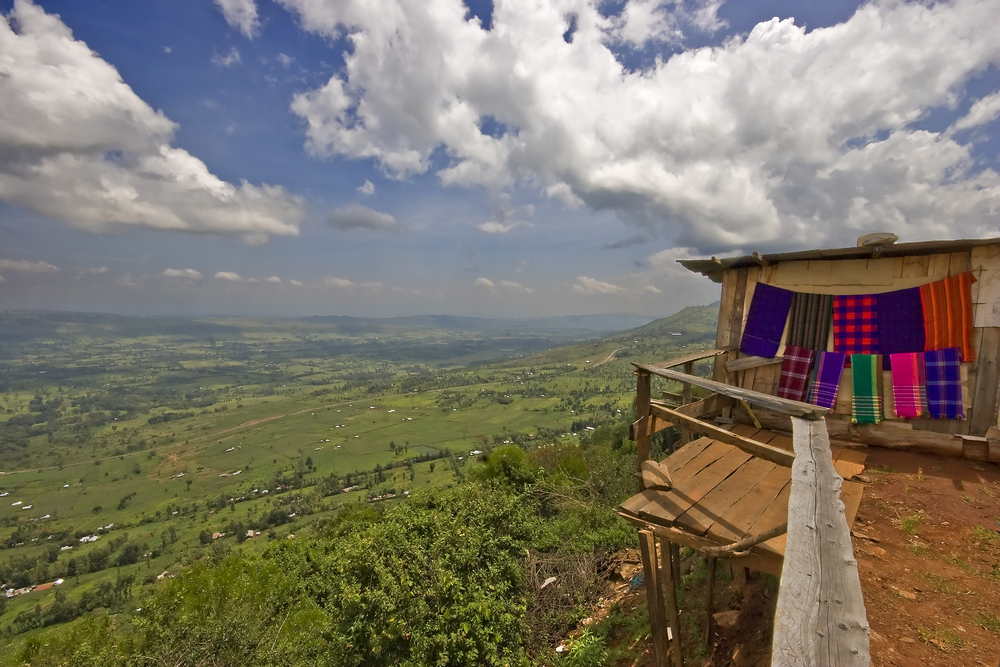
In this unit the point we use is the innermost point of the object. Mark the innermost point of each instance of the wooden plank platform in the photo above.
(721, 494)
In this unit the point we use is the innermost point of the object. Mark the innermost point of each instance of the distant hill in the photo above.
(693, 321)
(598, 324)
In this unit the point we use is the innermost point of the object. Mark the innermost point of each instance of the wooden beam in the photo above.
(820, 618)
(654, 597)
(669, 565)
(744, 363)
(642, 442)
(656, 475)
(758, 449)
(688, 358)
(789, 407)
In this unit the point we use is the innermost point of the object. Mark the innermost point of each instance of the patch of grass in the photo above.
(970, 500)
(945, 639)
(958, 562)
(919, 477)
(920, 550)
(940, 584)
(985, 490)
(987, 621)
(910, 522)
(885, 470)
(984, 538)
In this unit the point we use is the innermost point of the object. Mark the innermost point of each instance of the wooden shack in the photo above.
(871, 270)
(741, 489)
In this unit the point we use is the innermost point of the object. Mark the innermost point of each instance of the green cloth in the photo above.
(866, 406)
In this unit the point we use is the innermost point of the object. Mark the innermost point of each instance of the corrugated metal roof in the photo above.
(714, 267)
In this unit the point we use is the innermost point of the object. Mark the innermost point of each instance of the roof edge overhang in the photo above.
(714, 268)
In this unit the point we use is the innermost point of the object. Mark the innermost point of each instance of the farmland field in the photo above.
(153, 436)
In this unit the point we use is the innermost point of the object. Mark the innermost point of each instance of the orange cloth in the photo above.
(948, 314)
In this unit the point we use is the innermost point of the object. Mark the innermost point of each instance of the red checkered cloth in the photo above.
(794, 378)
(855, 324)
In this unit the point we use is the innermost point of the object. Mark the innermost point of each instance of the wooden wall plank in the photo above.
(939, 264)
(984, 411)
(960, 263)
(722, 333)
(916, 266)
(820, 617)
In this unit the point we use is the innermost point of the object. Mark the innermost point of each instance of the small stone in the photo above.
(907, 640)
(909, 595)
(726, 619)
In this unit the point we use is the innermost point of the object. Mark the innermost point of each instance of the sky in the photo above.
(512, 158)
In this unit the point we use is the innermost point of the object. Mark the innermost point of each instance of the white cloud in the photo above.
(344, 283)
(93, 271)
(131, 281)
(367, 189)
(516, 287)
(228, 275)
(2, 279)
(183, 273)
(228, 60)
(273, 279)
(587, 285)
(982, 112)
(651, 289)
(781, 137)
(77, 144)
(240, 14)
(486, 283)
(497, 227)
(296, 283)
(25, 265)
(168, 49)
(285, 60)
(356, 216)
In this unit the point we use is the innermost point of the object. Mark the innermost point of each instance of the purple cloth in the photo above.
(900, 323)
(829, 368)
(766, 320)
(944, 383)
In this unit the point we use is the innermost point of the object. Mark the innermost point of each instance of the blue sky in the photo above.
(516, 158)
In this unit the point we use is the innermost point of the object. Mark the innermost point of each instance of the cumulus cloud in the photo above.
(497, 227)
(228, 60)
(516, 287)
(229, 275)
(357, 216)
(240, 14)
(77, 144)
(296, 283)
(25, 265)
(367, 189)
(486, 283)
(183, 273)
(585, 285)
(345, 283)
(982, 112)
(273, 279)
(780, 137)
(651, 289)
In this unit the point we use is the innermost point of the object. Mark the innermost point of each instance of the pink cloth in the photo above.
(908, 382)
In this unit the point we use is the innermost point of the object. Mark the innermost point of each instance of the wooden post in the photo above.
(654, 597)
(820, 618)
(686, 400)
(667, 564)
(710, 563)
(642, 440)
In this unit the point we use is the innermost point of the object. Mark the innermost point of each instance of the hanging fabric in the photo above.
(900, 323)
(809, 322)
(944, 383)
(829, 368)
(855, 324)
(947, 306)
(866, 406)
(765, 321)
(794, 379)
(908, 381)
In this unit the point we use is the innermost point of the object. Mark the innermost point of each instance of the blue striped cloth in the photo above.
(944, 383)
